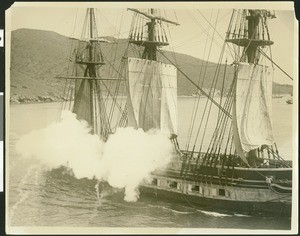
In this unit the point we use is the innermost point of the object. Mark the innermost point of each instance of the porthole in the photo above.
(195, 188)
(221, 192)
(173, 184)
(154, 181)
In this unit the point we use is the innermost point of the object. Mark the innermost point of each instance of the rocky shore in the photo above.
(18, 99)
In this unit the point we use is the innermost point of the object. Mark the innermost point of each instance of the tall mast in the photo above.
(88, 59)
(151, 41)
(91, 73)
(250, 31)
(153, 99)
(91, 31)
(150, 50)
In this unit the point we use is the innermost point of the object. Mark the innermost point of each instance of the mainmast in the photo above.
(155, 35)
(152, 85)
(150, 51)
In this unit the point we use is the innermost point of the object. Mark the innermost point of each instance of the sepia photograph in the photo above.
(165, 117)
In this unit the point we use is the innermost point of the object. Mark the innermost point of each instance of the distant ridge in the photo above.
(39, 55)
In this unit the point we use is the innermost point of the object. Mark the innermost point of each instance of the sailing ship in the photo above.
(289, 101)
(240, 169)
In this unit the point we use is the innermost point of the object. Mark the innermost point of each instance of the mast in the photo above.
(88, 102)
(91, 73)
(153, 40)
(248, 135)
(152, 85)
(250, 32)
(150, 50)
(252, 104)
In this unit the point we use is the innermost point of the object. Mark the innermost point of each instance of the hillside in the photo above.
(38, 56)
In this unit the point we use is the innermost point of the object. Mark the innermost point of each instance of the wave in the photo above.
(214, 214)
(180, 212)
(241, 215)
(23, 191)
(173, 210)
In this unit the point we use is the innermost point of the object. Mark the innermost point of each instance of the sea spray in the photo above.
(124, 161)
(97, 189)
(23, 190)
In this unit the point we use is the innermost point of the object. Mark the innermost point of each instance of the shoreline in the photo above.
(15, 100)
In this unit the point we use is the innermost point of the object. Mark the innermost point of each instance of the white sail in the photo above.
(169, 116)
(253, 106)
(152, 95)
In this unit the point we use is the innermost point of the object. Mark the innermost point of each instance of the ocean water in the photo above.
(42, 197)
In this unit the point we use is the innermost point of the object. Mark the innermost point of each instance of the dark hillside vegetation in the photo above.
(38, 56)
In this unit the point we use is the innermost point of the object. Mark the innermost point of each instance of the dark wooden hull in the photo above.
(279, 209)
(237, 189)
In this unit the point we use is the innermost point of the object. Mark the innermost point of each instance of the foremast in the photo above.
(87, 59)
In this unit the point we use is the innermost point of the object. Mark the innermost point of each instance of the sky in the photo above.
(188, 38)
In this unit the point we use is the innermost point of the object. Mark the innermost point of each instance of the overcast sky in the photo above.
(188, 38)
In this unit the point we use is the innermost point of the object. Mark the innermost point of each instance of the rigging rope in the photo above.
(264, 54)
(202, 91)
(216, 32)
(195, 107)
(213, 87)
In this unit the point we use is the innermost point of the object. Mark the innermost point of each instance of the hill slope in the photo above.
(37, 56)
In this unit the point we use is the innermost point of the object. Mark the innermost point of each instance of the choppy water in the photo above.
(39, 197)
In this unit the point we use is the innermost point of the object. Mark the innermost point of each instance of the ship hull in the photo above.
(240, 190)
(279, 209)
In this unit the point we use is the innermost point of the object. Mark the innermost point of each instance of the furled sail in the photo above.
(253, 106)
(152, 96)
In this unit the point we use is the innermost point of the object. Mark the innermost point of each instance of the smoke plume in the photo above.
(124, 161)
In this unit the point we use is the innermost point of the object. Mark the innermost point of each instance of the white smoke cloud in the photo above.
(124, 161)
(130, 155)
